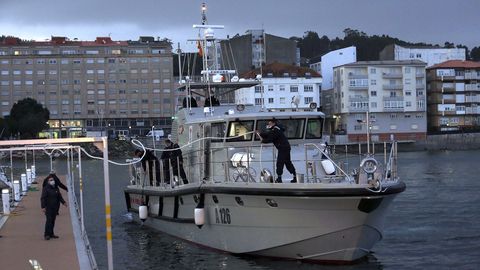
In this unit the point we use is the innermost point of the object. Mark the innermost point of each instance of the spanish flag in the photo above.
(200, 49)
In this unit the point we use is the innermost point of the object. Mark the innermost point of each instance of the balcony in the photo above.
(393, 104)
(357, 76)
(472, 87)
(392, 75)
(420, 86)
(471, 76)
(358, 87)
(393, 86)
(357, 99)
(419, 75)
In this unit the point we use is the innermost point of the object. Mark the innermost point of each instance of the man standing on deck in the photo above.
(149, 158)
(274, 134)
(176, 159)
(50, 202)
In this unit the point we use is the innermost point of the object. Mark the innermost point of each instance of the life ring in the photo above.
(180, 129)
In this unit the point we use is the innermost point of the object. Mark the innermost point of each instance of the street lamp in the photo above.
(153, 137)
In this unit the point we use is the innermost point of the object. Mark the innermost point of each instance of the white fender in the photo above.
(328, 166)
(143, 212)
(199, 217)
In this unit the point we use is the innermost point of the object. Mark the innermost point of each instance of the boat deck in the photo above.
(22, 236)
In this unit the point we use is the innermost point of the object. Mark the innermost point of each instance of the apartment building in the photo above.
(246, 52)
(283, 87)
(430, 55)
(393, 92)
(453, 96)
(117, 87)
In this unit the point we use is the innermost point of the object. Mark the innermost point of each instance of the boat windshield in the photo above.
(240, 131)
(314, 128)
(293, 128)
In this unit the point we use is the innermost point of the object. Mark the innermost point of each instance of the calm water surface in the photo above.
(434, 224)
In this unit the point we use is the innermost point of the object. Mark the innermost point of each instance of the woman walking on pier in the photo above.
(50, 202)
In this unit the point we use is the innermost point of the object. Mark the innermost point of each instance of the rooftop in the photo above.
(456, 64)
(279, 70)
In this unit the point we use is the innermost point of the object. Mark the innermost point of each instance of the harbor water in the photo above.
(432, 225)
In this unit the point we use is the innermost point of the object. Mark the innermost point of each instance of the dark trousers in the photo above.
(176, 167)
(151, 169)
(283, 158)
(51, 215)
(166, 171)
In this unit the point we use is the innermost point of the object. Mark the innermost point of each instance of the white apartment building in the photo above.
(394, 94)
(283, 87)
(333, 59)
(429, 55)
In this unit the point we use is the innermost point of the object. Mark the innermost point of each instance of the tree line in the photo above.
(27, 118)
(368, 47)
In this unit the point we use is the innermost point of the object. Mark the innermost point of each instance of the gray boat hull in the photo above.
(318, 226)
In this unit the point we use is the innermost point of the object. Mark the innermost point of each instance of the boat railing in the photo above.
(326, 156)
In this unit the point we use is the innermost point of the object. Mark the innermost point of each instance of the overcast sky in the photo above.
(432, 21)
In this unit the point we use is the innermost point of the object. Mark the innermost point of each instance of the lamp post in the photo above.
(153, 138)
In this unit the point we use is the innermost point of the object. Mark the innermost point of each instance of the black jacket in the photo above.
(173, 155)
(58, 183)
(51, 198)
(149, 156)
(275, 135)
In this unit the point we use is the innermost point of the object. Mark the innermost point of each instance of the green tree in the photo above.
(475, 54)
(28, 118)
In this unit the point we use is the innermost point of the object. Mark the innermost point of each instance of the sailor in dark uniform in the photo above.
(151, 159)
(50, 202)
(176, 159)
(275, 135)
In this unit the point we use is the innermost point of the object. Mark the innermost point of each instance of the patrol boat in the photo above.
(231, 202)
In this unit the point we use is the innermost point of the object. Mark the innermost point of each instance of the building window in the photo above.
(282, 87)
(308, 88)
(308, 100)
(270, 100)
(293, 88)
(408, 93)
(373, 82)
(373, 71)
(373, 93)
(408, 104)
(407, 70)
(258, 101)
(408, 81)
(374, 104)
(282, 100)
(270, 88)
(259, 89)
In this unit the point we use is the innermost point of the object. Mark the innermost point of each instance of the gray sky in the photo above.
(432, 21)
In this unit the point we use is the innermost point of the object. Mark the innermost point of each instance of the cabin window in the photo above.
(240, 131)
(292, 128)
(314, 128)
(218, 131)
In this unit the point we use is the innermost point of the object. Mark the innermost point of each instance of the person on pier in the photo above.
(50, 202)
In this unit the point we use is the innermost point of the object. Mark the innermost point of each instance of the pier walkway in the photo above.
(22, 236)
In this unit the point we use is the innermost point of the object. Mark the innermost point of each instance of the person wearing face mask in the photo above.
(58, 183)
(274, 134)
(50, 202)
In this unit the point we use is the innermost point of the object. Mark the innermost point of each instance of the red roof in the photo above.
(456, 64)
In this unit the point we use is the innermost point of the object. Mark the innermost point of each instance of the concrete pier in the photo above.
(22, 236)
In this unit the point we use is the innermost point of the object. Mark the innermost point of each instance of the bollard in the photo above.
(34, 174)
(29, 177)
(16, 190)
(6, 201)
(24, 183)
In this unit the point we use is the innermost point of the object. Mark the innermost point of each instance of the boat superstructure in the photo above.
(332, 213)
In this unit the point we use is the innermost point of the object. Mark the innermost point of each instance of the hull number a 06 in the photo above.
(222, 216)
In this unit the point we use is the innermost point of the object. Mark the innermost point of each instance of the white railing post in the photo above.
(24, 183)
(16, 190)
(6, 201)
(29, 177)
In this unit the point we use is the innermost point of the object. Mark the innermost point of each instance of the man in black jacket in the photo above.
(50, 202)
(175, 156)
(150, 158)
(176, 160)
(58, 183)
(275, 135)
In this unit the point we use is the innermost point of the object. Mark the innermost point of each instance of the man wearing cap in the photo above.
(274, 134)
